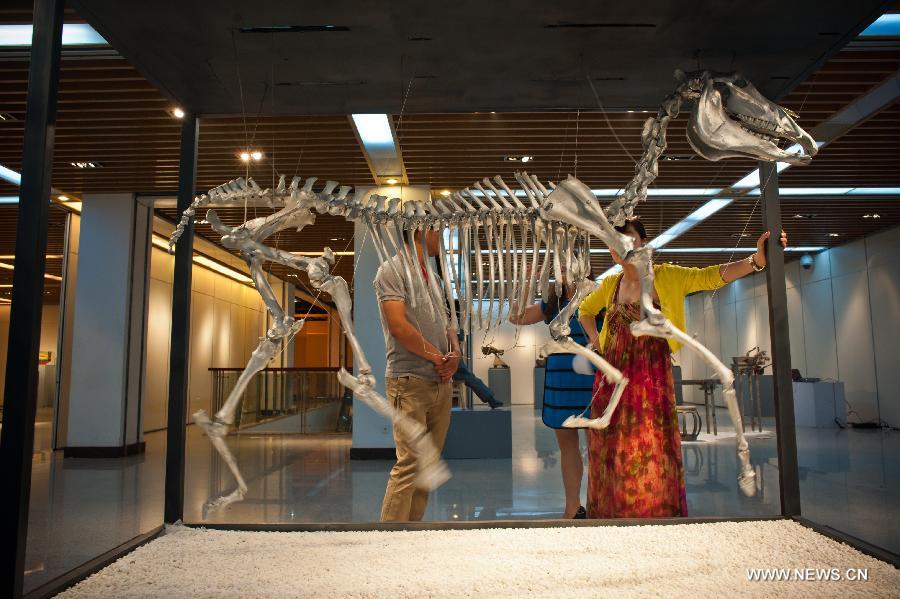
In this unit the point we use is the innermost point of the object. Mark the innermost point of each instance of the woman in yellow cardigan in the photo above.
(635, 464)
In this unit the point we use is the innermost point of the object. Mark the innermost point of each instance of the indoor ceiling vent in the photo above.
(294, 29)
(570, 25)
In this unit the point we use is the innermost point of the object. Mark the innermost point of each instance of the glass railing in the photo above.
(286, 400)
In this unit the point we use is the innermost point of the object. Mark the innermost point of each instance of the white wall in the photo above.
(49, 334)
(227, 319)
(844, 319)
(520, 347)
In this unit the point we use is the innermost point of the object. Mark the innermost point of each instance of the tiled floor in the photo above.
(83, 507)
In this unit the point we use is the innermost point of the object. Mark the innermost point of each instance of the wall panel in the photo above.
(853, 329)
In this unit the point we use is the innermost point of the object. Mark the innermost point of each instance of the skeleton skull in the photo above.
(733, 120)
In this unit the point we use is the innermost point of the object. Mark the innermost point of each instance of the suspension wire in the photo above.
(606, 118)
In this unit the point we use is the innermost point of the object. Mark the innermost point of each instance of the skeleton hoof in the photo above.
(432, 476)
(220, 502)
(747, 483)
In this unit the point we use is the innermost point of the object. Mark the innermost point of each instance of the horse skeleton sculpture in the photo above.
(730, 119)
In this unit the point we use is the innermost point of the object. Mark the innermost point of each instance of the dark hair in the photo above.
(551, 308)
(638, 227)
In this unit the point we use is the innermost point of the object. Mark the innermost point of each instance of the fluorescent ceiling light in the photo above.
(6, 266)
(654, 191)
(205, 262)
(833, 191)
(9, 199)
(374, 129)
(10, 175)
(805, 191)
(693, 191)
(690, 221)
(73, 34)
(801, 248)
(222, 269)
(884, 25)
(48, 257)
(875, 191)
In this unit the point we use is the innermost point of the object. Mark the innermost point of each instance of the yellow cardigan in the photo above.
(672, 284)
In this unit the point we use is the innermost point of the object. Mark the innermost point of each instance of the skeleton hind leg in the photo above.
(216, 428)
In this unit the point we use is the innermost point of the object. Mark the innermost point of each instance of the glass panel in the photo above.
(844, 310)
(87, 496)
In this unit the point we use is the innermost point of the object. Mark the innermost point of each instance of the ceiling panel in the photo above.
(345, 56)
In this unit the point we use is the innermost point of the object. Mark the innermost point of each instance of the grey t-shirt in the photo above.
(400, 361)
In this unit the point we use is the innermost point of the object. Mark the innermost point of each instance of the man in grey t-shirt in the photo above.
(422, 355)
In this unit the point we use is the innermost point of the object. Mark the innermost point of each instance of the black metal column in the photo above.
(789, 478)
(181, 328)
(20, 405)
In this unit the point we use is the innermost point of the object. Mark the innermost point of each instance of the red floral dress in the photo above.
(635, 463)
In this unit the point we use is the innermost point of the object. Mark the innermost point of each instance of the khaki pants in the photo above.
(427, 402)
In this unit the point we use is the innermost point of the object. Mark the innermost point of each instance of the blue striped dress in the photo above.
(566, 393)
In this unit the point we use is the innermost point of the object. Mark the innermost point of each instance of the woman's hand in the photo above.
(760, 256)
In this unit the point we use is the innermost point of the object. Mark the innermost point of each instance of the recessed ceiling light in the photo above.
(391, 181)
(256, 155)
(87, 164)
(527, 158)
(834, 234)
(178, 113)
(873, 215)
(245, 156)
(63, 198)
(445, 193)
(5, 116)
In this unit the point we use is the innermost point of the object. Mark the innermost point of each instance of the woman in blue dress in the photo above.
(566, 393)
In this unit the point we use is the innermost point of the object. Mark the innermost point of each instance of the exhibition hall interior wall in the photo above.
(842, 318)
(227, 320)
(49, 336)
(842, 325)
(520, 347)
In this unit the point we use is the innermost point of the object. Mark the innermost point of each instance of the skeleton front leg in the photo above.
(282, 326)
(655, 324)
(217, 428)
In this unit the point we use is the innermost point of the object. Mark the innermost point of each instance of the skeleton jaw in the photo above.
(744, 124)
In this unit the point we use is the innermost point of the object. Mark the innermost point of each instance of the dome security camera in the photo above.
(806, 261)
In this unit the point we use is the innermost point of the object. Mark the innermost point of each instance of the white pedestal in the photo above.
(817, 405)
